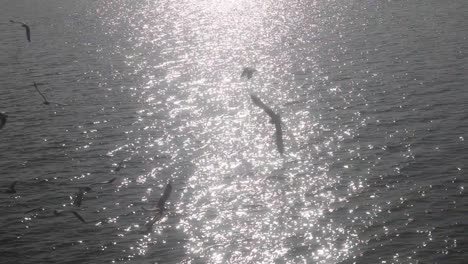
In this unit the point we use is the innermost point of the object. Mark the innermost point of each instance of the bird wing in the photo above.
(165, 196)
(79, 197)
(275, 119)
(28, 32)
(37, 89)
(156, 218)
(279, 137)
(17, 22)
(111, 180)
(78, 216)
(33, 210)
(263, 106)
(106, 182)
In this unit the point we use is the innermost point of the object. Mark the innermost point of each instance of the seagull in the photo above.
(60, 212)
(11, 189)
(28, 30)
(43, 97)
(275, 119)
(166, 194)
(79, 195)
(3, 119)
(83, 190)
(160, 207)
(248, 72)
(162, 200)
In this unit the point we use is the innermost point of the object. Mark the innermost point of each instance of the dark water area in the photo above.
(372, 97)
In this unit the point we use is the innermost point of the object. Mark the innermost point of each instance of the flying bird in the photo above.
(248, 72)
(28, 30)
(165, 196)
(83, 190)
(60, 212)
(43, 97)
(160, 207)
(11, 189)
(162, 200)
(80, 194)
(3, 119)
(275, 119)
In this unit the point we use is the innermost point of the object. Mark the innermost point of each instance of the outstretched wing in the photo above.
(17, 22)
(275, 119)
(79, 197)
(106, 182)
(279, 137)
(78, 216)
(37, 89)
(28, 32)
(263, 106)
(34, 210)
(157, 217)
(165, 196)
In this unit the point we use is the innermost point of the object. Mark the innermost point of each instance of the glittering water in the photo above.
(371, 95)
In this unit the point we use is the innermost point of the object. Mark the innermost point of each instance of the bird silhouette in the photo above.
(46, 102)
(79, 195)
(160, 207)
(83, 190)
(275, 119)
(165, 196)
(60, 212)
(28, 30)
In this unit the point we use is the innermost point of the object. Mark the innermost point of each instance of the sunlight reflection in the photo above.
(239, 200)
